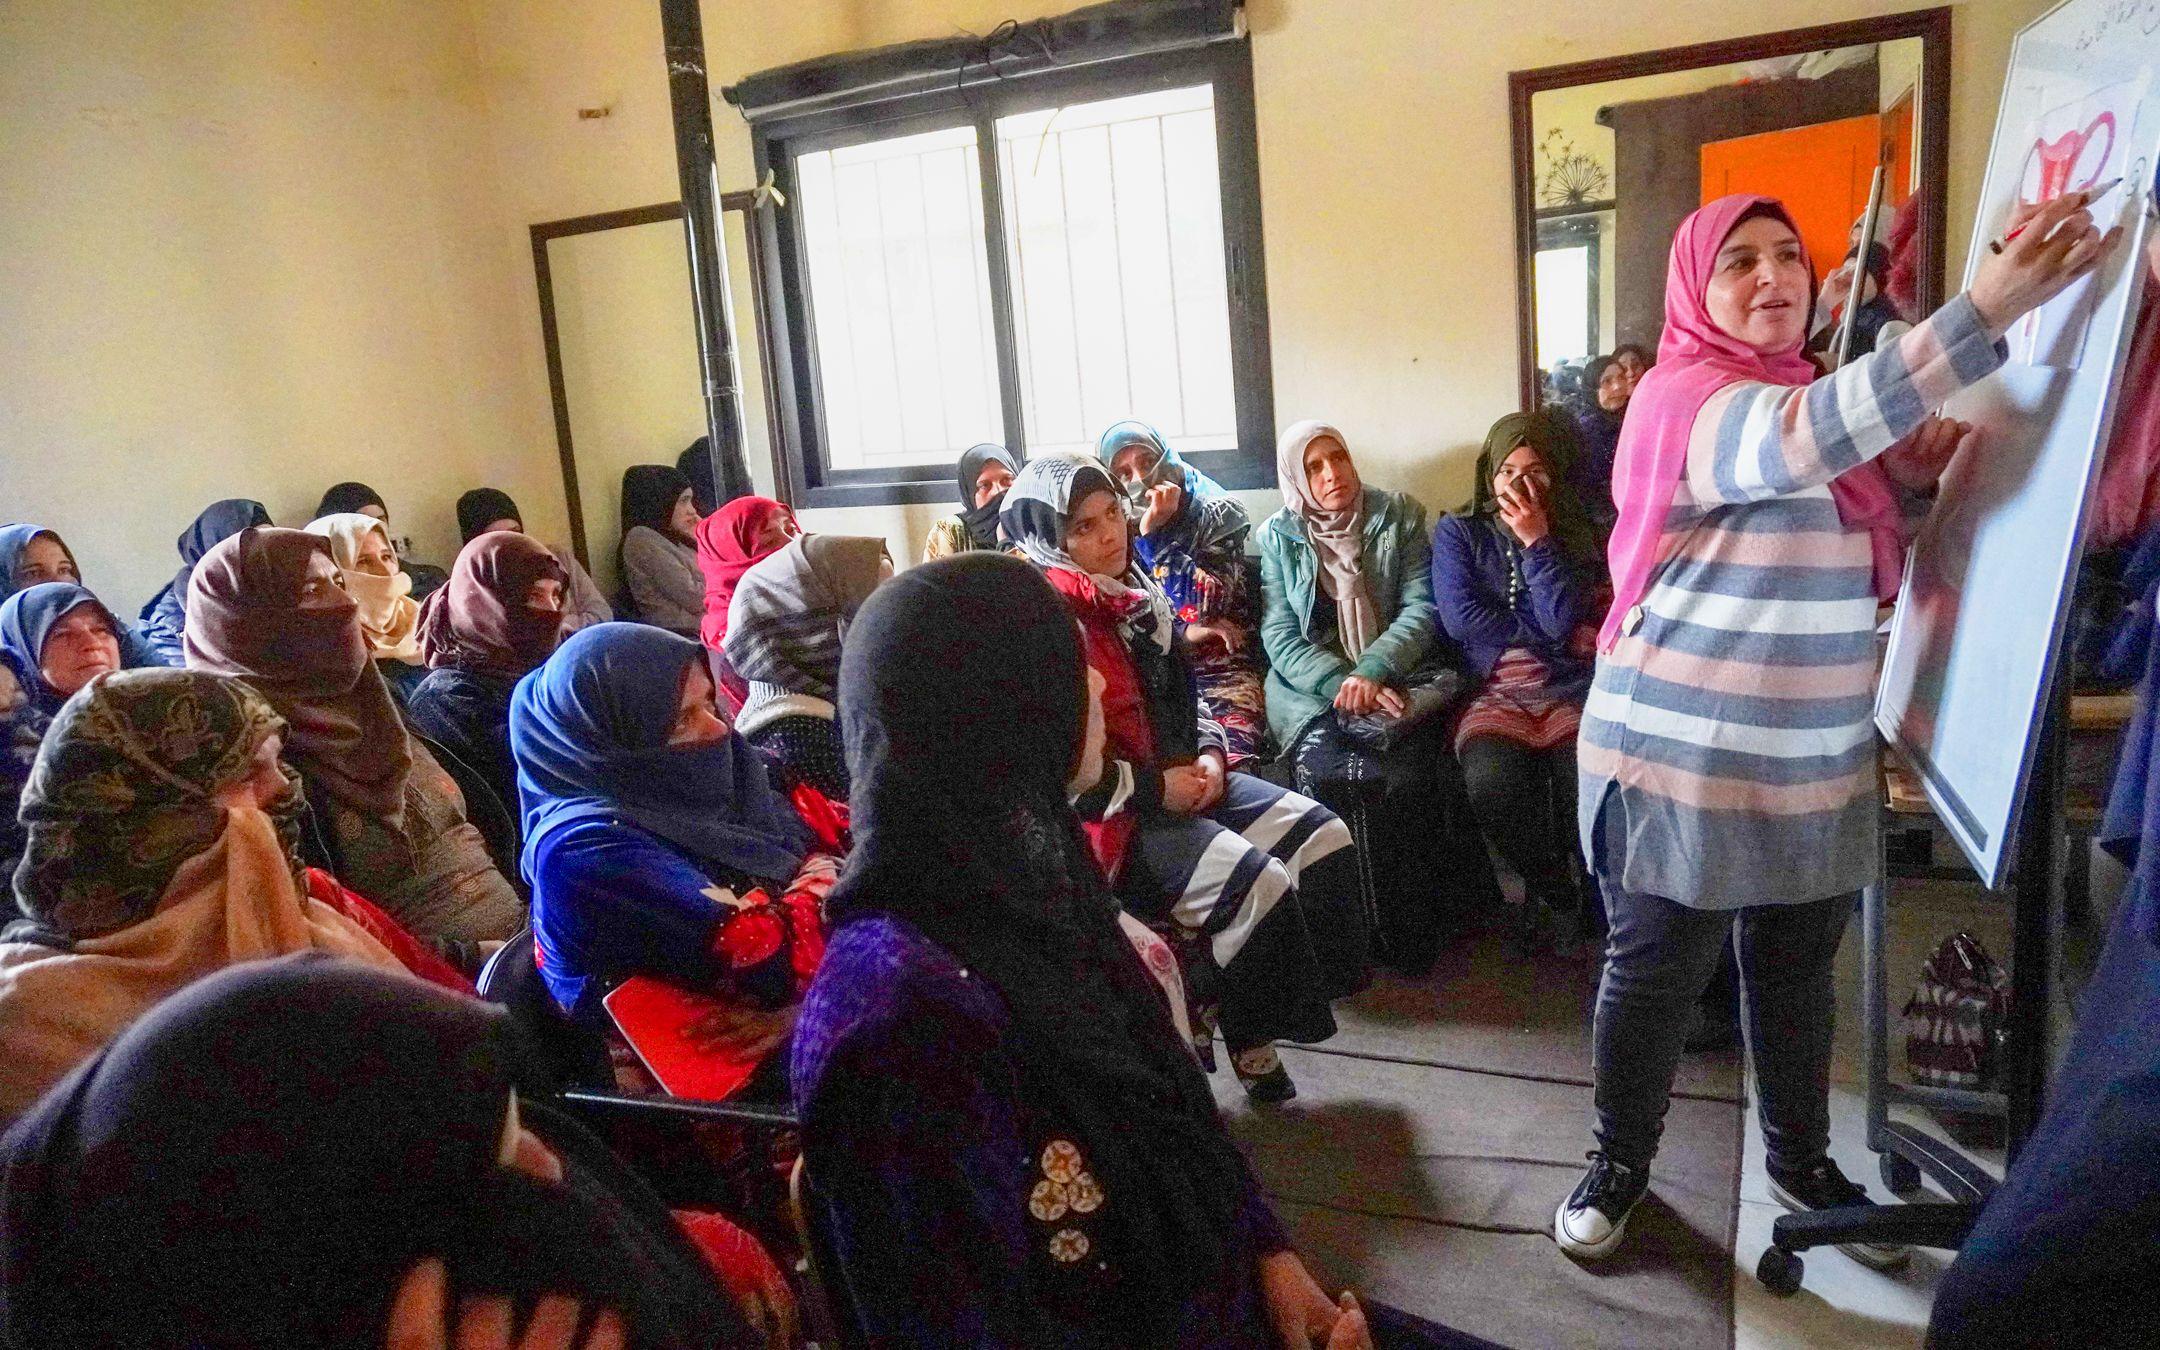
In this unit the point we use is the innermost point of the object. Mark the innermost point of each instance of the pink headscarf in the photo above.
(1696, 358)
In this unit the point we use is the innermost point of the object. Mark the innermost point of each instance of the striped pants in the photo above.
(1260, 898)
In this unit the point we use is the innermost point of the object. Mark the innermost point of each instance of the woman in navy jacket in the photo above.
(1510, 578)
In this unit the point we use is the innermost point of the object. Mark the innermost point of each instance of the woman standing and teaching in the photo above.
(1728, 765)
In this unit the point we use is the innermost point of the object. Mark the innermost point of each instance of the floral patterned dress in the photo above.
(1198, 558)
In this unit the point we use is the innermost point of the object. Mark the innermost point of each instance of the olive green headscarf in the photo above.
(1548, 432)
(124, 792)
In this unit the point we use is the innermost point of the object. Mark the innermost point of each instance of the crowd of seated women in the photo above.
(311, 744)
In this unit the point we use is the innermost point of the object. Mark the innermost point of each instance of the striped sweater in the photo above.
(1732, 717)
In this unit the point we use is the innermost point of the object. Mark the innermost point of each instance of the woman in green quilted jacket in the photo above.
(1356, 671)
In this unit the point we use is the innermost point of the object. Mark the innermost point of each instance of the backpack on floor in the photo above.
(1954, 1020)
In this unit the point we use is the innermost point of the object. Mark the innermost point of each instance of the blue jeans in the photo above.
(1659, 957)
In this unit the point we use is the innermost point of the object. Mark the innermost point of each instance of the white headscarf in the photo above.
(388, 614)
(1338, 535)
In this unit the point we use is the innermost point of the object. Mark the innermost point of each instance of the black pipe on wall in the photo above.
(682, 30)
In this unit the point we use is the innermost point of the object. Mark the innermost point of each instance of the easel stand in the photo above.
(1907, 1153)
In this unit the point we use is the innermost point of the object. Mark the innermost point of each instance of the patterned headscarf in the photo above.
(1037, 507)
(790, 611)
(124, 792)
(1208, 517)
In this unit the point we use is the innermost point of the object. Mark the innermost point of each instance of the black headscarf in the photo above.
(349, 497)
(263, 1158)
(649, 494)
(482, 507)
(696, 464)
(962, 705)
(982, 521)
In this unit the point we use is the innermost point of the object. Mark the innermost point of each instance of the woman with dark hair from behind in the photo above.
(983, 1067)
(313, 1154)
(484, 509)
(500, 616)
(164, 618)
(658, 557)
(1509, 584)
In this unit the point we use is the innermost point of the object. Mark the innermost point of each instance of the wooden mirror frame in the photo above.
(1931, 26)
(546, 232)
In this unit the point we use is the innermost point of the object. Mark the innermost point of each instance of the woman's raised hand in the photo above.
(2056, 244)
(1522, 507)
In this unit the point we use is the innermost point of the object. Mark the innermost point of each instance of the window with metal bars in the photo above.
(1024, 261)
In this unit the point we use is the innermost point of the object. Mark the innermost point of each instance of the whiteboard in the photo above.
(1974, 641)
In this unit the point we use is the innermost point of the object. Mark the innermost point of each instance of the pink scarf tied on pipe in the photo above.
(1696, 359)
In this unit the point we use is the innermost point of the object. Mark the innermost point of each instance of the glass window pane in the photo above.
(1113, 214)
(1563, 304)
(899, 295)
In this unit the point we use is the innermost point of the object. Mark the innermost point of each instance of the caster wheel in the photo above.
(1900, 1174)
(1780, 1271)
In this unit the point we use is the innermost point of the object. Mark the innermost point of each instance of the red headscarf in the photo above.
(727, 546)
(479, 621)
(1696, 359)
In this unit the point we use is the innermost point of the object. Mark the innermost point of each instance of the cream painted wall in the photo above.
(1385, 179)
(252, 250)
(272, 245)
(542, 60)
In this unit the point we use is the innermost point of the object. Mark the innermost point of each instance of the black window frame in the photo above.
(1225, 65)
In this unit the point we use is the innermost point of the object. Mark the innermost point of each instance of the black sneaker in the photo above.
(1823, 1186)
(1593, 1219)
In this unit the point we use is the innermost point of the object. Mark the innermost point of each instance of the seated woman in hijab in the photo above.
(360, 499)
(1191, 539)
(982, 1067)
(31, 555)
(731, 541)
(785, 626)
(985, 472)
(310, 1153)
(161, 846)
(54, 639)
(500, 616)
(485, 510)
(389, 616)
(1597, 440)
(656, 844)
(658, 559)
(265, 607)
(164, 618)
(1356, 689)
(1253, 885)
(1508, 580)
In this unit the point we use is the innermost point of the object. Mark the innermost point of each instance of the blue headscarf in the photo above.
(26, 620)
(590, 729)
(1208, 517)
(13, 540)
(219, 521)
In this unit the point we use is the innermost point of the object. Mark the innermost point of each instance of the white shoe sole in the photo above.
(1873, 1255)
(1587, 1251)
